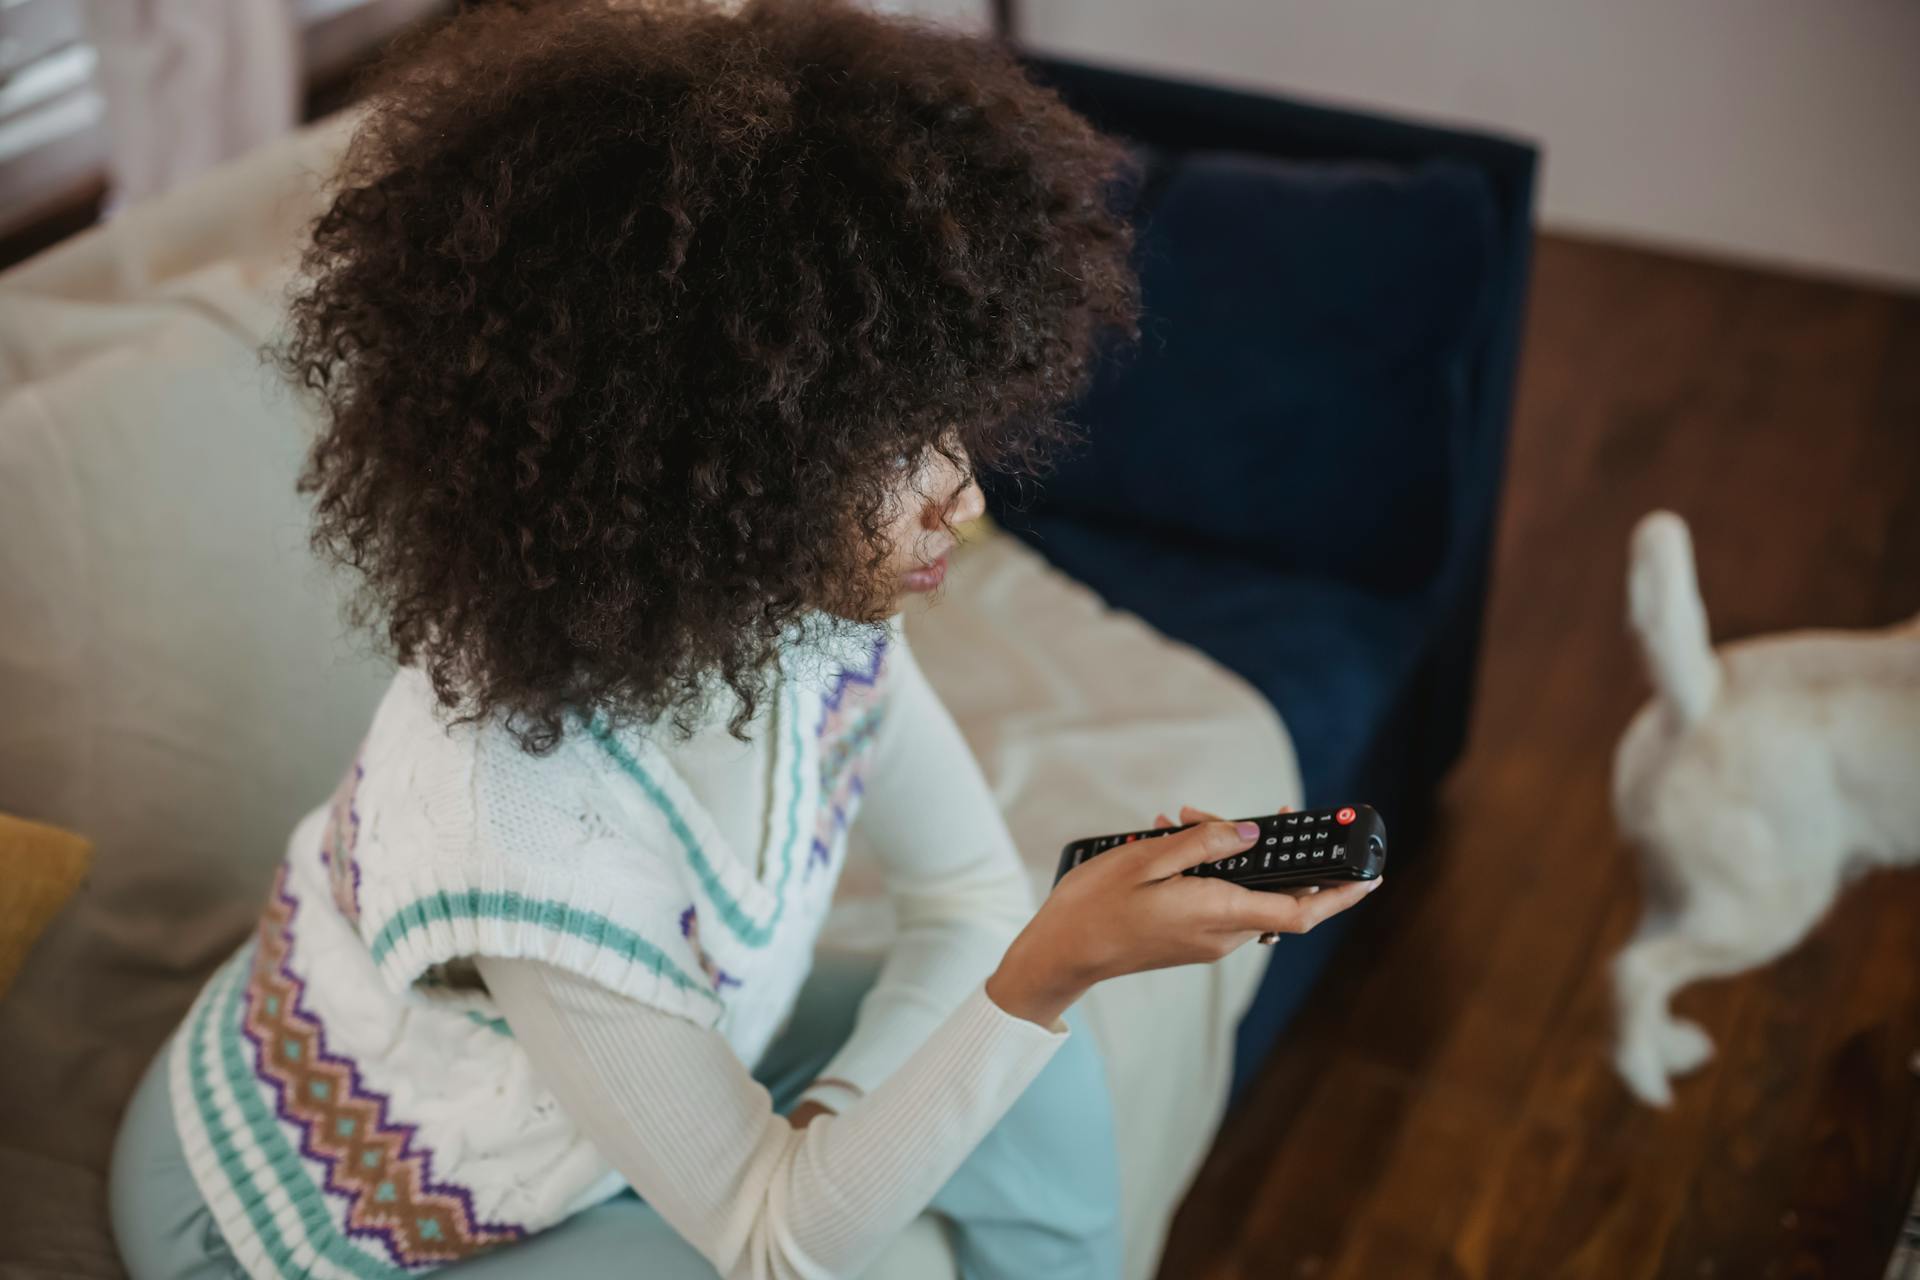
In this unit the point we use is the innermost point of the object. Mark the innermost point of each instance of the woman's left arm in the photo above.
(959, 890)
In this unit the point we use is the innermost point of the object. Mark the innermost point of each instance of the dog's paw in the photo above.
(1641, 1069)
(1683, 1046)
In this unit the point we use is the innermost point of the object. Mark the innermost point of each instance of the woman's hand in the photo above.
(1190, 814)
(1131, 909)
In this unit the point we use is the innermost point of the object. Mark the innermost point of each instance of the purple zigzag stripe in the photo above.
(721, 978)
(819, 853)
(353, 815)
(848, 678)
(352, 835)
(385, 1122)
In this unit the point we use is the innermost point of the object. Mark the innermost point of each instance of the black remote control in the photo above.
(1319, 846)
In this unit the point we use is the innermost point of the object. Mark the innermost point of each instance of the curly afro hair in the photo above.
(622, 318)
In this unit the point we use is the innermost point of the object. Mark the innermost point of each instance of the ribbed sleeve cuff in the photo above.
(414, 922)
(1054, 1034)
(894, 1152)
(986, 1017)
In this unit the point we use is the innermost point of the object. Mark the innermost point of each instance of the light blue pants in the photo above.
(1038, 1197)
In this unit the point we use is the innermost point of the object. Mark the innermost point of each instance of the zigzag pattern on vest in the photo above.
(850, 715)
(371, 1159)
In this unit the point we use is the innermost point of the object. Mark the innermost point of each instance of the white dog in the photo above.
(1756, 782)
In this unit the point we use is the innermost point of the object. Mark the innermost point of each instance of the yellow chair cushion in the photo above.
(40, 867)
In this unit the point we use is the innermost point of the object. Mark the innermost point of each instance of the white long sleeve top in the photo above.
(931, 1065)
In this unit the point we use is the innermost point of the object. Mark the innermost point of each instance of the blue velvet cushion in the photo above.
(1334, 660)
(1304, 364)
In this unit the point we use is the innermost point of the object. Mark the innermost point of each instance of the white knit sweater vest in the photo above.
(349, 1108)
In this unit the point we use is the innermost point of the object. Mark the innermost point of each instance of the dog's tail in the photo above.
(1664, 609)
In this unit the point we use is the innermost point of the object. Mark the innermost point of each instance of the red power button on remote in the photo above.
(1345, 816)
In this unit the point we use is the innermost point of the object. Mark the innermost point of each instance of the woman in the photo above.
(656, 346)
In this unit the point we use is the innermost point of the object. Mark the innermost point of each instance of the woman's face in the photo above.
(934, 491)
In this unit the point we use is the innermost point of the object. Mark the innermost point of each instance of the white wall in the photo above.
(1786, 131)
(970, 15)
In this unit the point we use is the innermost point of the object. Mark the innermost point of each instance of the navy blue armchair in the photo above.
(1297, 468)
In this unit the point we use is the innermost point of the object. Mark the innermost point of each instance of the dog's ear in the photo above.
(1665, 613)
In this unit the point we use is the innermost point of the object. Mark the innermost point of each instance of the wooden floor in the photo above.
(1446, 1108)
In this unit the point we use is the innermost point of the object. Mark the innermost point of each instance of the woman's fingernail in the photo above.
(1375, 883)
(1246, 830)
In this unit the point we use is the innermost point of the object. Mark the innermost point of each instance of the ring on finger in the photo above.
(1268, 938)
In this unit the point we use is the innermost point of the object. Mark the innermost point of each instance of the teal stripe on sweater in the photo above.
(497, 1025)
(750, 931)
(793, 790)
(545, 913)
(282, 1159)
(285, 1161)
(230, 1165)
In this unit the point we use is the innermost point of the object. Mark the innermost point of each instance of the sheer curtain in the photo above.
(189, 83)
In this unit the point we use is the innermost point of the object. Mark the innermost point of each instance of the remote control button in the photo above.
(1273, 839)
(1345, 817)
(1319, 853)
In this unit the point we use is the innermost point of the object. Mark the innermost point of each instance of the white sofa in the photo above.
(176, 683)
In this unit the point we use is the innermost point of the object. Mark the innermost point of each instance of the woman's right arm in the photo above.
(674, 1109)
(684, 1121)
